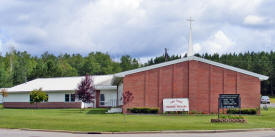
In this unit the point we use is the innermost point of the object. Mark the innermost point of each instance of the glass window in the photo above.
(31, 99)
(72, 97)
(102, 99)
(67, 97)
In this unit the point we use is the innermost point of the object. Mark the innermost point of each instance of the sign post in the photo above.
(175, 104)
(229, 101)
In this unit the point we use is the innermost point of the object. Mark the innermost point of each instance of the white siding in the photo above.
(110, 97)
(120, 94)
(56, 97)
(18, 97)
(25, 97)
(1, 99)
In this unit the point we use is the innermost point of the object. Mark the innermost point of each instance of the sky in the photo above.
(139, 28)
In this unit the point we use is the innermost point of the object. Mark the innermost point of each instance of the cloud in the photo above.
(217, 43)
(253, 20)
(140, 28)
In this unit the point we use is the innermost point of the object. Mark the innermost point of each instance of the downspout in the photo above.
(117, 95)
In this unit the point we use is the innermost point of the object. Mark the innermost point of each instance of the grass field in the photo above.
(272, 99)
(74, 120)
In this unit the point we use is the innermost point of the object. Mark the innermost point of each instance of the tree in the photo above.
(128, 63)
(86, 91)
(37, 96)
(4, 94)
(127, 98)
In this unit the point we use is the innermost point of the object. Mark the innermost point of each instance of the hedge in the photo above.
(248, 111)
(143, 110)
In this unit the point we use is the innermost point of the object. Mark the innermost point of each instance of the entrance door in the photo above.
(102, 100)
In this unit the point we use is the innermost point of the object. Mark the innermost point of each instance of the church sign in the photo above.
(229, 101)
(175, 104)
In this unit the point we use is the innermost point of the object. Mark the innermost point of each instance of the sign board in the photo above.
(175, 104)
(229, 101)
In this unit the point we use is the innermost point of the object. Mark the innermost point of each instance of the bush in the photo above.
(248, 111)
(97, 111)
(231, 117)
(143, 110)
(176, 112)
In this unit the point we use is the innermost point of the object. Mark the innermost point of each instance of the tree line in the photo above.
(18, 67)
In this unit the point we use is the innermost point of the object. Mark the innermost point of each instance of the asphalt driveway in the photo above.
(22, 133)
(272, 105)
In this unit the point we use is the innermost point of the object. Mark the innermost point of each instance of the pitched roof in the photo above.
(103, 82)
(123, 74)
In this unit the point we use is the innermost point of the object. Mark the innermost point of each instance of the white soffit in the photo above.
(101, 82)
(123, 74)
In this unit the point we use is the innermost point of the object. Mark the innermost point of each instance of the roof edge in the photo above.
(101, 87)
(123, 74)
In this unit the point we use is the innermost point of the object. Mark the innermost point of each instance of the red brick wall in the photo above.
(165, 84)
(249, 89)
(135, 84)
(42, 105)
(216, 87)
(200, 82)
(151, 94)
(149, 88)
(203, 87)
(97, 98)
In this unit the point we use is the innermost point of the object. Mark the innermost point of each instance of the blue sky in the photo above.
(140, 28)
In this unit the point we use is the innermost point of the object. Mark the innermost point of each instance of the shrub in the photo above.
(143, 110)
(248, 111)
(176, 112)
(97, 111)
(195, 112)
(231, 117)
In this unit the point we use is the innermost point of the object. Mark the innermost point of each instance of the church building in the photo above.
(198, 79)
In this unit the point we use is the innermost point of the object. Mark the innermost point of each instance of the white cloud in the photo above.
(140, 28)
(217, 43)
(253, 20)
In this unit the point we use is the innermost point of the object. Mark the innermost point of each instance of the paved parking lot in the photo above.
(272, 105)
(21, 133)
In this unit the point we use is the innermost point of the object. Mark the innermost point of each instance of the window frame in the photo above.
(70, 97)
(67, 97)
(101, 102)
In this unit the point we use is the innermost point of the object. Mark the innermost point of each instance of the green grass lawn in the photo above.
(272, 99)
(74, 120)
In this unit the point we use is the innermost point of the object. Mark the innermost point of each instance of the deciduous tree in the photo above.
(37, 96)
(86, 90)
(4, 94)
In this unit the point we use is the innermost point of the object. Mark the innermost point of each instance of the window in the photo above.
(67, 97)
(72, 97)
(31, 99)
(102, 99)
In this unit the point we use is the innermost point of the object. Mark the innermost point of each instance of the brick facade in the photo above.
(200, 82)
(42, 105)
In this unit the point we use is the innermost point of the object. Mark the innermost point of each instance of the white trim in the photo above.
(123, 74)
(96, 87)
(105, 87)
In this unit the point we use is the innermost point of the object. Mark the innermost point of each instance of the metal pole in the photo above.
(240, 105)
(219, 108)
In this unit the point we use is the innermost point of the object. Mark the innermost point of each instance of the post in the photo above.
(219, 108)
(240, 105)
